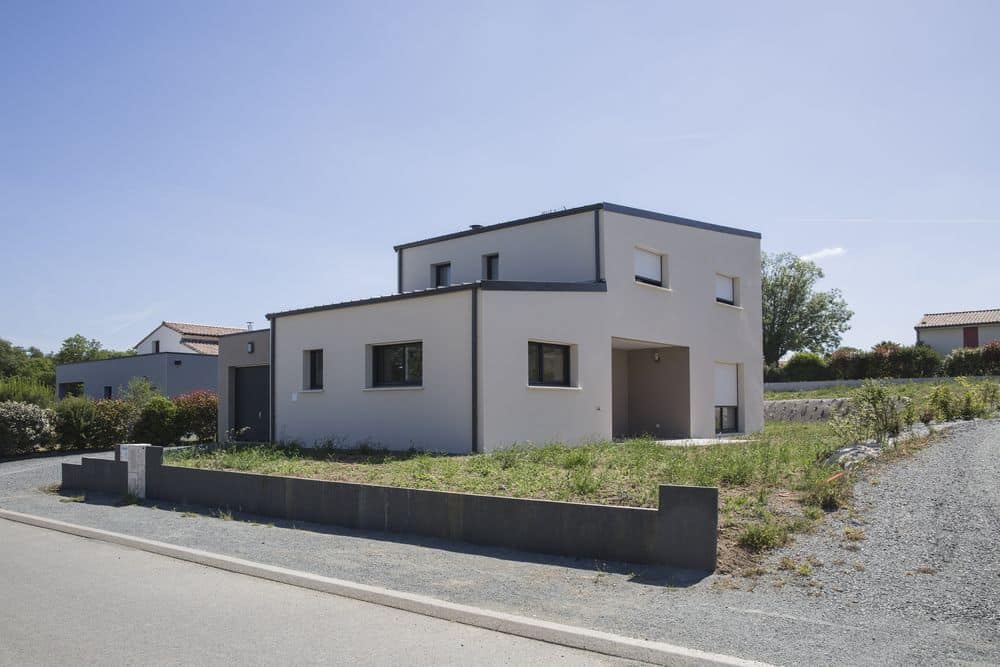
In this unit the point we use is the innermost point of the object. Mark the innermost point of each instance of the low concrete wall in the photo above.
(824, 384)
(805, 409)
(681, 533)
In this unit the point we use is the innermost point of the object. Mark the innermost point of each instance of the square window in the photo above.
(312, 369)
(398, 365)
(548, 365)
(650, 267)
(491, 267)
(442, 274)
(725, 289)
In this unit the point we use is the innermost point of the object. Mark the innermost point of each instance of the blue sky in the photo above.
(211, 162)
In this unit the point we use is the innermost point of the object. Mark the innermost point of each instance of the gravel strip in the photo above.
(921, 587)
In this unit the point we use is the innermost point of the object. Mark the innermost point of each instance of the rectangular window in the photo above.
(649, 267)
(725, 289)
(726, 398)
(107, 391)
(313, 369)
(491, 267)
(156, 347)
(442, 274)
(548, 365)
(398, 365)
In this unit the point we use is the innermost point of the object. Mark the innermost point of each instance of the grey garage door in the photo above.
(252, 408)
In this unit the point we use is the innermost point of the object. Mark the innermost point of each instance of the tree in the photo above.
(796, 315)
(77, 348)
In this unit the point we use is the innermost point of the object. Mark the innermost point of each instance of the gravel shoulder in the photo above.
(920, 585)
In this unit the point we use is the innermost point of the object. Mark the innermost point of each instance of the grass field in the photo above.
(919, 391)
(770, 486)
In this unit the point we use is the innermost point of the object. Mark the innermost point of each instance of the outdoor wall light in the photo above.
(250, 347)
(656, 357)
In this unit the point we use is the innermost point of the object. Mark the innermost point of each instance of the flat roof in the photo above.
(606, 206)
(487, 285)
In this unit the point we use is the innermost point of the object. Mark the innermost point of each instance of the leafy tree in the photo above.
(12, 359)
(77, 348)
(796, 315)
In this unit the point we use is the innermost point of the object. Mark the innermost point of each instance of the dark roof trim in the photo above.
(486, 285)
(613, 208)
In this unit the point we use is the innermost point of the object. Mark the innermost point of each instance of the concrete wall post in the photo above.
(135, 455)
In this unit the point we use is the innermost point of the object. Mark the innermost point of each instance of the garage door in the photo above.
(251, 405)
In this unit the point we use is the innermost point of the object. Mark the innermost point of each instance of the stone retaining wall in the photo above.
(681, 533)
(805, 409)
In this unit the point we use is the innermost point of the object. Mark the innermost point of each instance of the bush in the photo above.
(157, 424)
(762, 536)
(991, 358)
(138, 392)
(25, 390)
(877, 413)
(943, 402)
(804, 366)
(772, 373)
(198, 413)
(847, 363)
(113, 423)
(989, 394)
(24, 427)
(75, 421)
(983, 360)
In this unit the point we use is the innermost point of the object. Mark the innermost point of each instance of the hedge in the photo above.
(24, 427)
(885, 360)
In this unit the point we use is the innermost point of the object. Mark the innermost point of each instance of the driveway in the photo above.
(917, 581)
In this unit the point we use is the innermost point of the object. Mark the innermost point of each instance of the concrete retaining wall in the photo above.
(805, 409)
(681, 533)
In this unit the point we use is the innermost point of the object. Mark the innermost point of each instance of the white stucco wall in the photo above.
(946, 339)
(436, 416)
(170, 341)
(558, 250)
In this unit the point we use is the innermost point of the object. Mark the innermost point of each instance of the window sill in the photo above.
(545, 387)
(416, 387)
(656, 287)
(310, 391)
(729, 305)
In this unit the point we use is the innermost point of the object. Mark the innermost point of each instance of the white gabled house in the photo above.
(946, 332)
(590, 323)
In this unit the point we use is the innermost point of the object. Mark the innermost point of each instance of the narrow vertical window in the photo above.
(725, 289)
(156, 347)
(491, 267)
(442, 274)
(649, 267)
(313, 369)
(107, 391)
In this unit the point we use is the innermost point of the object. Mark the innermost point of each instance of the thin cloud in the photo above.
(824, 253)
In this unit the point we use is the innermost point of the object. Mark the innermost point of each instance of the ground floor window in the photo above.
(726, 419)
(398, 365)
(107, 391)
(548, 365)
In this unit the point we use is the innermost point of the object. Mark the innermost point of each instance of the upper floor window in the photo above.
(313, 371)
(398, 365)
(650, 267)
(491, 267)
(726, 289)
(442, 274)
(156, 347)
(548, 364)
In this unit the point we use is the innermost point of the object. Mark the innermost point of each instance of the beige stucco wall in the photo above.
(560, 250)
(233, 354)
(435, 417)
(946, 339)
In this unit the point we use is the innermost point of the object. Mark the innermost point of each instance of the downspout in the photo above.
(475, 368)
(399, 271)
(597, 245)
(274, 327)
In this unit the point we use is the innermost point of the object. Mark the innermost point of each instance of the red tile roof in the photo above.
(209, 330)
(201, 346)
(960, 318)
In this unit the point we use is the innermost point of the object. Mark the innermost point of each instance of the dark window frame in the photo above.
(491, 266)
(315, 378)
(536, 364)
(719, 419)
(378, 364)
(436, 273)
(650, 281)
(732, 282)
(108, 391)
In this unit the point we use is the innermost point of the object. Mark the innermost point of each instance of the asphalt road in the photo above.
(69, 600)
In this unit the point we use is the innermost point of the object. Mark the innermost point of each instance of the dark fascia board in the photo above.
(487, 285)
(247, 332)
(135, 356)
(613, 208)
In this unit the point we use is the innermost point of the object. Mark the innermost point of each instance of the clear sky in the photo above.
(214, 161)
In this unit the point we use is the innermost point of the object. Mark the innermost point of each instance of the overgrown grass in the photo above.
(917, 391)
(624, 473)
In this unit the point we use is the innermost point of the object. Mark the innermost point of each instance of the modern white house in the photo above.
(184, 338)
(573, 326)
(948, 331)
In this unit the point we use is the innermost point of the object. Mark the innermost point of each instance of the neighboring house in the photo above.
(583, 324)
(244, 379)
(175, 357)
(948, 331)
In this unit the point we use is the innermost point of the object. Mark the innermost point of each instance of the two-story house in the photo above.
(579, 325)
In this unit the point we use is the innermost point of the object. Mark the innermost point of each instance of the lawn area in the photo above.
(918, 391)
(770, 486)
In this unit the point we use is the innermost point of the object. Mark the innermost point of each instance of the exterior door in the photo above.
(251, 405)
(970, 337)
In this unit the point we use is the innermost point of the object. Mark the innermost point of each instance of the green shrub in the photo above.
(24, 427)
(75, 421)
(825, 487)
(138, 392)
(991, 358)
(198, 413)
(983, 360)
(943, 401)
(877, 412)
(113, 423)
(847, 363)
(804, 366)
(764, 535)
(157, 424)
(989, 394)
(773, 373)
(26, 390)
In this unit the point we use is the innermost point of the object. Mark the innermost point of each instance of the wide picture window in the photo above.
(398, 365)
